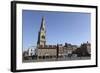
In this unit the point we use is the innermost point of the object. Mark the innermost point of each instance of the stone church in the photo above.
(44, 50)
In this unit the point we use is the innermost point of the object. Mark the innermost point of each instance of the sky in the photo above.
(61, 27)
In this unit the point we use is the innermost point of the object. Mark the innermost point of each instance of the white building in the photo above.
(31, 51)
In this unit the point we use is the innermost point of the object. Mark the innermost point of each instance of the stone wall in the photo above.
(47, 52)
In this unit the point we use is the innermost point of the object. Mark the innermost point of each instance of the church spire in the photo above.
(42, 34)
(42, 24)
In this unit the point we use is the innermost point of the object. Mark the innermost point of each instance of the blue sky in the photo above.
(61, 27)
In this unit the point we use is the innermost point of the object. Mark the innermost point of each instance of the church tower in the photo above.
(42, 34)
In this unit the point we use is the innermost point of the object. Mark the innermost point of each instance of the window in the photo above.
(43, 37)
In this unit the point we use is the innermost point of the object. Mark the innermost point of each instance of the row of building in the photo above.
(59, 51)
